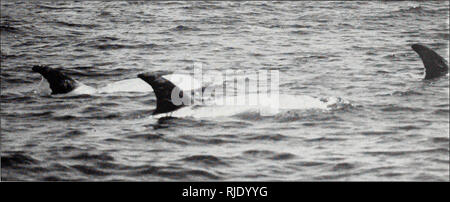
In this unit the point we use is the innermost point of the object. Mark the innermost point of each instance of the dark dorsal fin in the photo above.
(59, 82)
(435, 65)
(163, 89)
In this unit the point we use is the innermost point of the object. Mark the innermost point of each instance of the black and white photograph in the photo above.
(224, 91)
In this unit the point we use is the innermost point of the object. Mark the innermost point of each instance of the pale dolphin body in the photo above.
(266, 106)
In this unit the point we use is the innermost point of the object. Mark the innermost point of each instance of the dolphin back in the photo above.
(435, 65)
(58, 81)
(163, 89)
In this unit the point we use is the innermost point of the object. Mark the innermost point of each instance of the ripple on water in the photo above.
(87, 157)
(90, 170)
(270, 137)
(395, 108)
(208, 160)
(205, 140)
(408, 152)
(172, 173)
(343, 166)
(74, 133)
(440, 140)
(151, 137)
(266, 154)
(14, 159)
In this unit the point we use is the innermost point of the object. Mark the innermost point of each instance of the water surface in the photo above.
(393, 125)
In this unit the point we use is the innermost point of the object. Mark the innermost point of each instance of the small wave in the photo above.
(311, 58)
(57, 7)
(443, 150)
(388, 153)
(309, 163)
(406, 93)
(412, 9)
(300, 26)
(206, 140)
(124, 46)
(5, 56)
(74, 133)
(65, 118)
(258, 153)
(53, 178)
(324, 139)
(90, 170)
(37, 114)
(208, 160)
(343, 166)
(271, 137)
(265, 154)
(442, 35)
(406, 152)
(16, 80)
(174, 173)
(282, 156)
(16, 97)
(146, 136)
(105, 14)
(13, 159)
(203, 7)
(6, 27)
(301, 32)
(407, 128)
(182, 28)
(104, 116)
(107, 38)
(440, 140)
(77, 25)
(87, 157)
(378, 133)
(201, 173)
(444, 112)
(394, 108)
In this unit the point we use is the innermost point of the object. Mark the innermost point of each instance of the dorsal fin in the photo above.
(435, 65)
(163, 89)
(59, 82)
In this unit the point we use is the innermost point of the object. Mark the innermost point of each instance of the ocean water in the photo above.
(384, 123)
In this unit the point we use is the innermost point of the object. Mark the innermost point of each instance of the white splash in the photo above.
(44, 87)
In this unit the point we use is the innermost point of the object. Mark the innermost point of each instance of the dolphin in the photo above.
(56, 82)
(185, 87)
(163, 89)
(435, 65)
(170, 98)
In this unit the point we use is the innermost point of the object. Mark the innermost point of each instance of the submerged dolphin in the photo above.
(435, 65)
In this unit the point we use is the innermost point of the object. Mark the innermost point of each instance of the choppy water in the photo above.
(393, 125)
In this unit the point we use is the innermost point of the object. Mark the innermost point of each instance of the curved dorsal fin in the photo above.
(163, 90)
(59, 82)
(434, 64)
